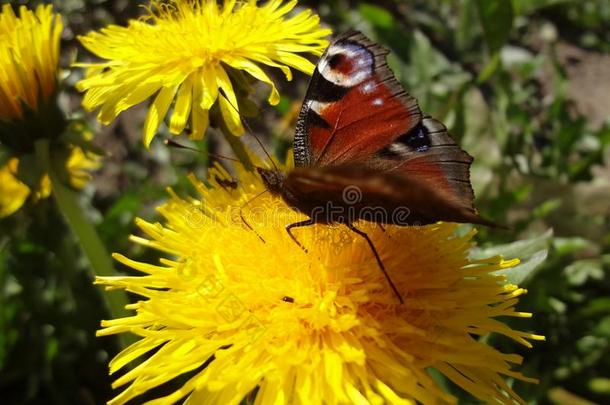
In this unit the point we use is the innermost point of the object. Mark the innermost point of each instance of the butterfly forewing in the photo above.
(354, 106)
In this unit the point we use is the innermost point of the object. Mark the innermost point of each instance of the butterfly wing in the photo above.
(429, 154)
(355, 112)
(354, 106)
(346, 193)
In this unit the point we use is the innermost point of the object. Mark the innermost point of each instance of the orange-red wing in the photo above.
(354, 106)
(346, 193)
(356, 116)
(429, 154)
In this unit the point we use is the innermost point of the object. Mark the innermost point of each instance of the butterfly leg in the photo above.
(300, 224)
(379, 262)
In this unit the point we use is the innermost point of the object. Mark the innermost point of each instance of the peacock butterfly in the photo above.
(363, 150)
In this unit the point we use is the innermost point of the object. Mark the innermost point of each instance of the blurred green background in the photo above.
(524, 86)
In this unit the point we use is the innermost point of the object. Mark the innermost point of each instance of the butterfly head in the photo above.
(347, 64)
(273, 179)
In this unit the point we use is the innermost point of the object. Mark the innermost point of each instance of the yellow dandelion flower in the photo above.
(233, 315)
(14, 193)
(186, 50)
(79, 165)
(29, 52)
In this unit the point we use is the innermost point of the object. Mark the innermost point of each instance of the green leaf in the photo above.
(490, 68)
(521, 249)
(465, 36)
(283, 107)
(532, 253)
(566, 246)
(558, 395)
(547, 207)
(377, 16)
(526, 269)
(497, 20)
(523, 7)
(581, 271)
(386, 30)
(600, 385)
(596, 306)
(52, 348)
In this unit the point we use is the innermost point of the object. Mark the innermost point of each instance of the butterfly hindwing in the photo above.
(383, 197)
(430, 154)
(354, 106)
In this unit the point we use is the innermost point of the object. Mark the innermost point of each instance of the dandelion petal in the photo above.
(157, 112)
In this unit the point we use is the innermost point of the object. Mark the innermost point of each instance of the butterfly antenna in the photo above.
(249, 130)
(177, 145)
(241, 214)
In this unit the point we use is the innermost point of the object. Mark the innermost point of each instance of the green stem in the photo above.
(240, 150)
(91, 245)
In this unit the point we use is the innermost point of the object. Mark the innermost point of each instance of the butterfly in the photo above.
(363, 150)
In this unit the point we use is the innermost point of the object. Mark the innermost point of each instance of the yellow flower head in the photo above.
(29, 51)
(183, 50)
(14, 193)
(237, 314)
